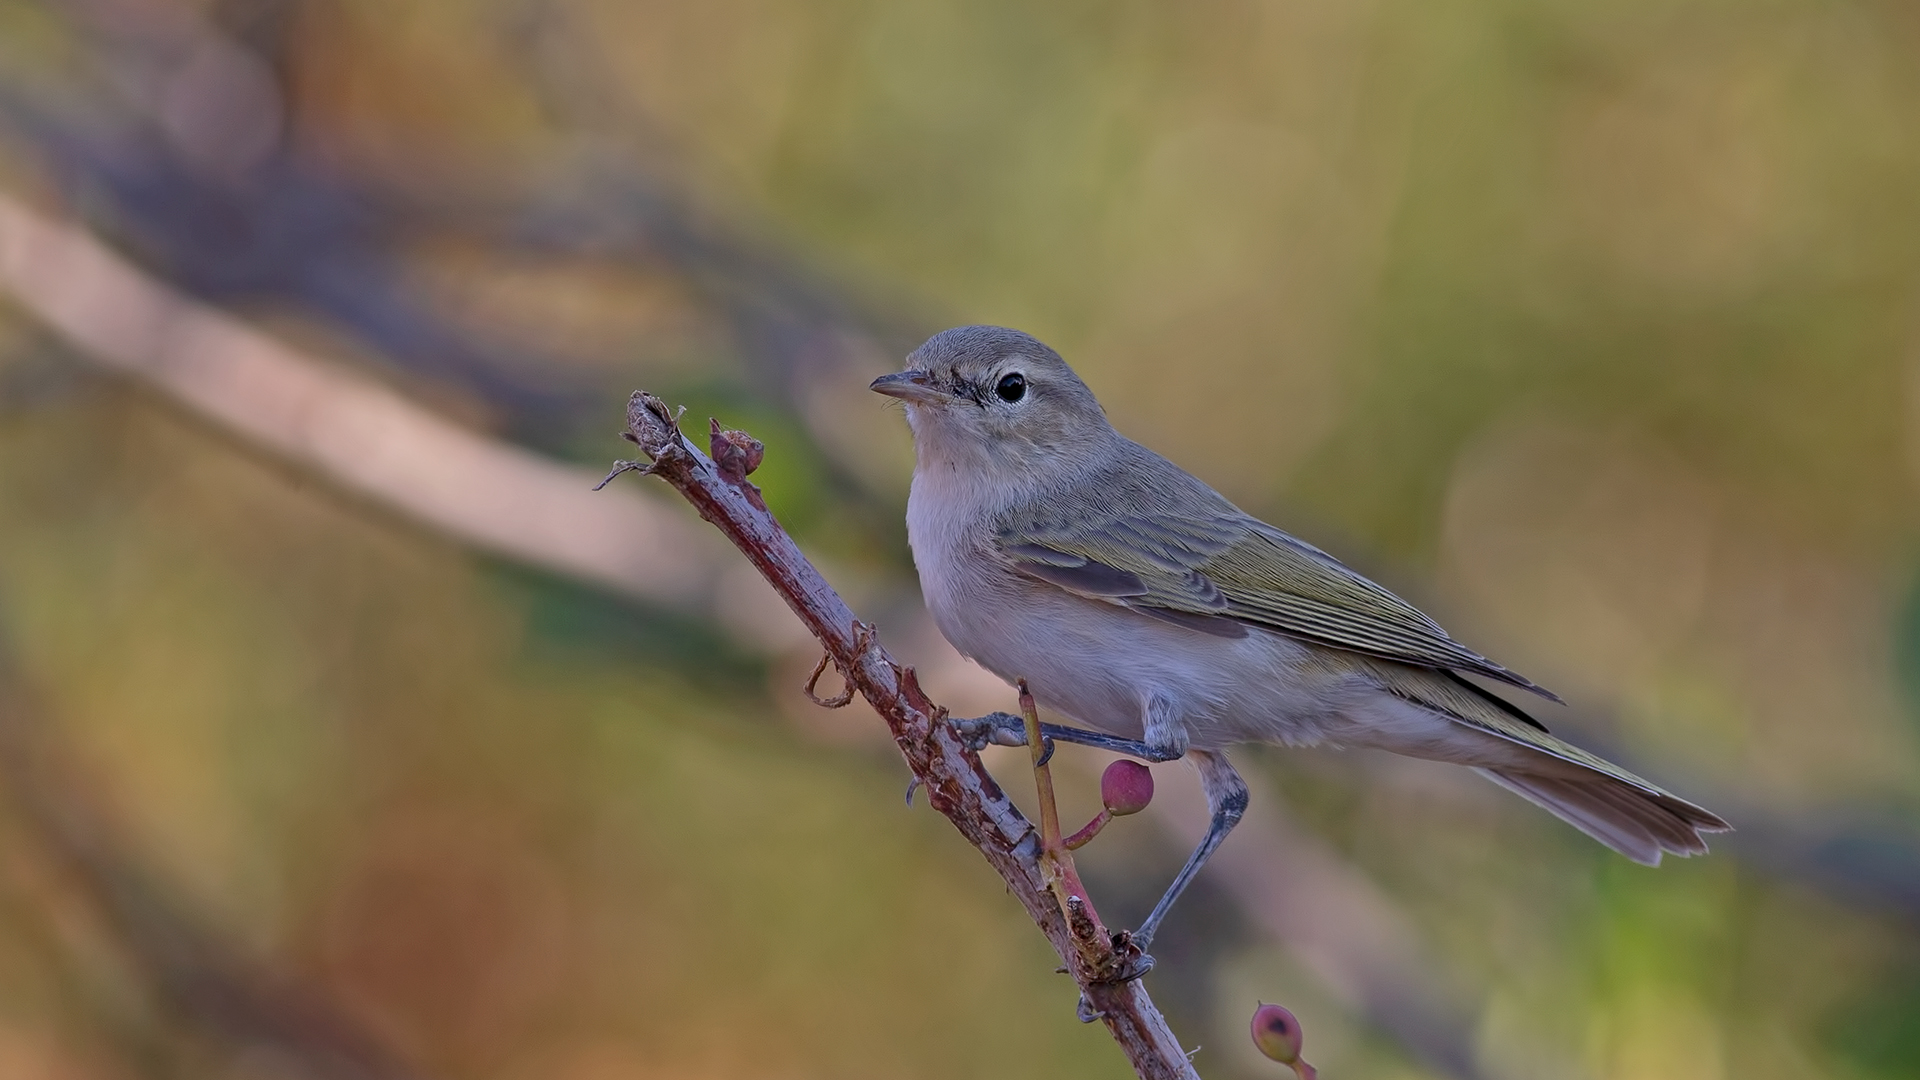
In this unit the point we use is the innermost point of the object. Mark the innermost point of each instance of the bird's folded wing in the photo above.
(1221, 568)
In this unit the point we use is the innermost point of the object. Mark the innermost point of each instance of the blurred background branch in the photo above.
(192, 971)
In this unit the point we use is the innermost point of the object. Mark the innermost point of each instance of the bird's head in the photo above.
(991, 399)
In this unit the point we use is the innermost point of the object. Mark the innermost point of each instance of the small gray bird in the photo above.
(1136, 600)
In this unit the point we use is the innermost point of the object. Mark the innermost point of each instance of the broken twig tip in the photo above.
(651, 424)
(623, 467)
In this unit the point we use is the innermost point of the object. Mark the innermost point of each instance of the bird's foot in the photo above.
(1132, 965)
(1132, 952)
(998, 729)
(993, 729)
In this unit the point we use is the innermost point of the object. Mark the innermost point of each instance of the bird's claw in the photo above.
(993, 729)
(1134, 961)
(1135, 968)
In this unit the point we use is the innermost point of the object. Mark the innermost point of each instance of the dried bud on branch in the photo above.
(736, 452)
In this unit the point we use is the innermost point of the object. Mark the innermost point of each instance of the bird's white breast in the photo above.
(948, 511)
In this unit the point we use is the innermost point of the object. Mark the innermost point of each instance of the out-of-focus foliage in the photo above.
(1593, 327)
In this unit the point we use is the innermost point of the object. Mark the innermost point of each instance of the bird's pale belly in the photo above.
(1107, 667)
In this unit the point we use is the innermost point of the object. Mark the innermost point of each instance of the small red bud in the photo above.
(1277, 1033)
(1126, 788)
(752, 450)
(736, 452)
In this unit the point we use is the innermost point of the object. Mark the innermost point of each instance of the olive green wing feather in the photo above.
(1171, 547)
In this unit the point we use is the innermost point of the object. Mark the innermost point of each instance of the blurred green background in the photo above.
(1591, 327)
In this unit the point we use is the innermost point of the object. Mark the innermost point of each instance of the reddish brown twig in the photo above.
(1056, 860)
(956, 783)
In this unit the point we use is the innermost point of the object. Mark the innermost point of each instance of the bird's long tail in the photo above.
(1447, 718)
(1632, 820)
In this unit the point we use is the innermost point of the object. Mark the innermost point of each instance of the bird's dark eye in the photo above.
(1012, 387)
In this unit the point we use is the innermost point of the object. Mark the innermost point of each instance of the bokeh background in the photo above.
(1594, 328)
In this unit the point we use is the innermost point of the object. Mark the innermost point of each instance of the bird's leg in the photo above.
(1226, 792)
(1006, 729)
(1227, 799)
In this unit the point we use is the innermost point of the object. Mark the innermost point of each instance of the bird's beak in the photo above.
(909, 386)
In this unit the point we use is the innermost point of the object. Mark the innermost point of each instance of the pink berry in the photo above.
(1126, 788)
(1277, 1033)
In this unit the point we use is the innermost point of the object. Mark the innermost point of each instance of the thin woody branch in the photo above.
(956, 783)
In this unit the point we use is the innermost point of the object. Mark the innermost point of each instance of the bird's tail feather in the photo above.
(1633, 821)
